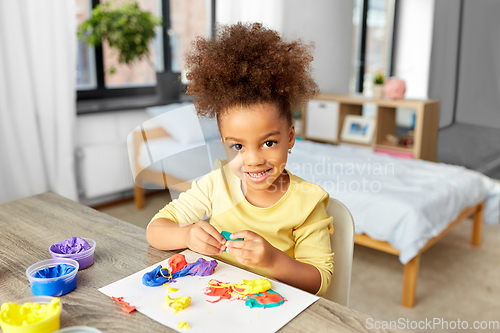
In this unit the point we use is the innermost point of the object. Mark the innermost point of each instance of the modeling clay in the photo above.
(217, 288)
(184, 325)
(171, 290)
(178, 303)
(227, 236)
(160, 276)
(28, 313)
(267, 299)
(240, 289)
(127, 308)
(201, 267)
(251, 287)
(155, 278)
(177, 262)
(71, 246)
(54, 271)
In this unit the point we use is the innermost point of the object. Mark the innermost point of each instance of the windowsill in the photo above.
(125, 103)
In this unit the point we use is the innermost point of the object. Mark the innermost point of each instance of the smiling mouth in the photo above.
(258, 174)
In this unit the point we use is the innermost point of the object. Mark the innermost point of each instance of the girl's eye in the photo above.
(236, 147)
(270, 143)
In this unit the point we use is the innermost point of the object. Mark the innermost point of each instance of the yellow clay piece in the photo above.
(184, 325)
(28, 313)
(252, 287)
(172, 290)
(178, 303)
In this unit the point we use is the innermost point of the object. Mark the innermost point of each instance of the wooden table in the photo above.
(30, 225)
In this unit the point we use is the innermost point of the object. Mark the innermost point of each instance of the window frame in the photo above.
(101, 91)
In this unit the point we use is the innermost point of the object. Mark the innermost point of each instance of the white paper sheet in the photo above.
(202, 316)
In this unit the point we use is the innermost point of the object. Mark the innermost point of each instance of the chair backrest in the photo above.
(342, 241)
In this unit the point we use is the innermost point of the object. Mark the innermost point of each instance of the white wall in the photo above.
(268, 12)
(328, 23)
(413, 45)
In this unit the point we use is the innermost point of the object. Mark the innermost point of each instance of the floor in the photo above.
(456, 281)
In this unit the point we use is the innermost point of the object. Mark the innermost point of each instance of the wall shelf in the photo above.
(425, 130)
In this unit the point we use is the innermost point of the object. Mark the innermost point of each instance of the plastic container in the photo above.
(79, 329)
(57, 286)
(47, 325)
(85, 258)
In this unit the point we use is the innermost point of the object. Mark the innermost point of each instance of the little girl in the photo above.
(251, 80)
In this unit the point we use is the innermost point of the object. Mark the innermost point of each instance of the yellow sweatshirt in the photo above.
(297, 224)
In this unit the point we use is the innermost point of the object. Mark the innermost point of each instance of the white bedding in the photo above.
(403, 202)
(416, 201)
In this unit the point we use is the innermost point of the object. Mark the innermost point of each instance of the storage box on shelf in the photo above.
(425, 131)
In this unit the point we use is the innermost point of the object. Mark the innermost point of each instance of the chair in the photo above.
(342, 241)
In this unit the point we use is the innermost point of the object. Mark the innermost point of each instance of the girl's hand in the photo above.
(254, 251)
(205, 239)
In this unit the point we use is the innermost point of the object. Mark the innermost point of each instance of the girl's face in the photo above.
(256, 140)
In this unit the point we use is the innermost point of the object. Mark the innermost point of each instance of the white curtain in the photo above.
(268, 12)
(37, 98)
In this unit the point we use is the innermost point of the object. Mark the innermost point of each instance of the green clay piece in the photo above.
(227, 236)
(269, 299)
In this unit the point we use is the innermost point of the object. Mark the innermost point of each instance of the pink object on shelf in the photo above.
(394, 88)
(399, 154)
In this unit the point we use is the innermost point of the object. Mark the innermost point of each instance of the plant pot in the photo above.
(378, 91)
(168, 85)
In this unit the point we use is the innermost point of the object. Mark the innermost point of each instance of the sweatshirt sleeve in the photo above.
(192, 205)
(312, 242)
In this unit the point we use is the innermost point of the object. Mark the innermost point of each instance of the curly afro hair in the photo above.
(247, 64)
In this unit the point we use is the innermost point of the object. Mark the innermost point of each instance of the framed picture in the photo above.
(358, 129)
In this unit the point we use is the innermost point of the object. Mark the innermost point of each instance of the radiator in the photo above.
(103, 169)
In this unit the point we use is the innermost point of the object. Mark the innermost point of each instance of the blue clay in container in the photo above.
(56, 286)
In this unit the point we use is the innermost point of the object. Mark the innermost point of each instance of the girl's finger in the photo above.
(208, 244)
(241, 253)
(246, 234)
(247, 245)
(214, 233)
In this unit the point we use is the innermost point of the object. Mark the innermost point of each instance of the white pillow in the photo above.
(183, 124)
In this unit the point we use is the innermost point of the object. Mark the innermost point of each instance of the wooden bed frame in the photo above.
(410, 269)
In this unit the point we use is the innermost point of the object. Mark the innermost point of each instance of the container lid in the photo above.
(78, 329)
(30, 271)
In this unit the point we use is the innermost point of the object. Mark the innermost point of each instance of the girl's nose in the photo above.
(254, 157)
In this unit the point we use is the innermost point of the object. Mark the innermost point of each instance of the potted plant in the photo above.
(128, 30)
(378, 86)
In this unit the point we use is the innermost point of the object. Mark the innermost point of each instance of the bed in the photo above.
(399, 206)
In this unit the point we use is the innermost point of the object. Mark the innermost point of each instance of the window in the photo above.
(373, 35)
(183, 20)
(85, 66)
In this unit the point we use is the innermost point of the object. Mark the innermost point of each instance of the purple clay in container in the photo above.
(76, 248)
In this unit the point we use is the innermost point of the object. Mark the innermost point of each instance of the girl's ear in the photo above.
(291, 137)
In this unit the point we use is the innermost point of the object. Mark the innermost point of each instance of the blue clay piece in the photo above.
(55, 271)
(154, 278)
(58, 287)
